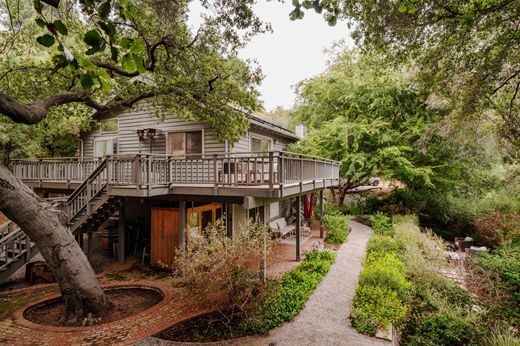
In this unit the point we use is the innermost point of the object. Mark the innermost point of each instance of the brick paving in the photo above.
(176, 307)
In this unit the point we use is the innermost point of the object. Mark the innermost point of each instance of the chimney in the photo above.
(301, 130)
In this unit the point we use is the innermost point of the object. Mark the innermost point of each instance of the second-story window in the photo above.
(185, 144)
(260, 145)
(109, 126)
(105, 146)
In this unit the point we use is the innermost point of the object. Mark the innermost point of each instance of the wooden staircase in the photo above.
(88, 207)
(16, 249)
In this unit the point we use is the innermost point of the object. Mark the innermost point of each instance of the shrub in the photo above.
(504, 262)
(381, 224)
(493, 229)
(503, 337)
(337, 229)
(385, 270)
(332, 209)
(287, 296)
(382, 243)
(232, 264)
(376, 307)
(383, 289)
(442, 330)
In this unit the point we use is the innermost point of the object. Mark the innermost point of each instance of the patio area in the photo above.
(176, 307)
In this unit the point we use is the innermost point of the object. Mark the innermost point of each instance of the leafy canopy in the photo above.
(367, 116)
(110, 55)
(465, 51)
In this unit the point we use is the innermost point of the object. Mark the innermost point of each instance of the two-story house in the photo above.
(159, 176)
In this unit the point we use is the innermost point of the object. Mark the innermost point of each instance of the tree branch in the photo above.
(115, 69)
(505, 82)
(34, 112)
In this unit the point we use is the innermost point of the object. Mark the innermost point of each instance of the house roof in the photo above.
(269, 126)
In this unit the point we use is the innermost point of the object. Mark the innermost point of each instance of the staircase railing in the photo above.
(14, 245)
(91, 187)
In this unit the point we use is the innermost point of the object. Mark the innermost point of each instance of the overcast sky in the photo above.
(293, 52)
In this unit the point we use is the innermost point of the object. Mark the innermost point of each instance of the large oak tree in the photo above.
(467, 52)
(369, 117)
(100, 57)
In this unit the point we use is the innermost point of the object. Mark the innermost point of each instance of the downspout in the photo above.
(80, 148)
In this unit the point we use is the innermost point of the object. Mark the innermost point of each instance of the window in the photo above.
(109, 125)
(187, 144)
(204, 215)
(103, 147)
(257, 214)
(260, 145)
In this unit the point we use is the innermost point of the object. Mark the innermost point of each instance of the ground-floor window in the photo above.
(204, 215)
(257, 214)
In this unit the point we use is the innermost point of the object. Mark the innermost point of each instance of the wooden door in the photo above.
(165, 235)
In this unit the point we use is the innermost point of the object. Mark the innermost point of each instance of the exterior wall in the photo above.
(141, 117)
(239, 218)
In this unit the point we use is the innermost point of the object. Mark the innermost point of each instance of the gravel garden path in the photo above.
(324, 320)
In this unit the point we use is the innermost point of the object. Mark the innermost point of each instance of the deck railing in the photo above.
(229, 169)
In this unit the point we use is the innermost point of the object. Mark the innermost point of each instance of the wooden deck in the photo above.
(270, 175)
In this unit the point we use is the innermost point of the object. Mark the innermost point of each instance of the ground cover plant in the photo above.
(402, 284)
(383, 289)
(241, 302)
(286, 297)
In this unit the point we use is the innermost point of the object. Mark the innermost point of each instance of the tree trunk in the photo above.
(80, 289)
(342, 193)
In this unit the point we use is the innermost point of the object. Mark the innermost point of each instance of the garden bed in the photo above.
(125, 302)
(214, 326)
(279, 301)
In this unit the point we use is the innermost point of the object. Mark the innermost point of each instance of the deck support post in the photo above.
(182, 226)
(121, 235)
(229, 227)
(321, 214)
(89, 246)
(298, 227)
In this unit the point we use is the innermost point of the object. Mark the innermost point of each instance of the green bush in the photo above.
(287, 297)
(376, 307)
(382, 243)
(332, 209)
(383, 289)
(443, 330)
(505, 262)
(385, 270)
(381, 224)
(337, 229)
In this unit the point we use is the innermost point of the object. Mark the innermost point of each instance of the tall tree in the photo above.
(105, 57)
(468, 52)
(368, 117)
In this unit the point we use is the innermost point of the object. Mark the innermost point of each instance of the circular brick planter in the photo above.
(19, 315)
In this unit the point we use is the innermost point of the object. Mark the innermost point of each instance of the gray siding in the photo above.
(134, 119)
(140, 117)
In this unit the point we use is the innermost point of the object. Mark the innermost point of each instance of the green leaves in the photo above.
(137, 46)
(86, 81)
(128, 62)
(104, 9)
(41, 23)
(93, 38)
(60, 27)
(45, 40)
